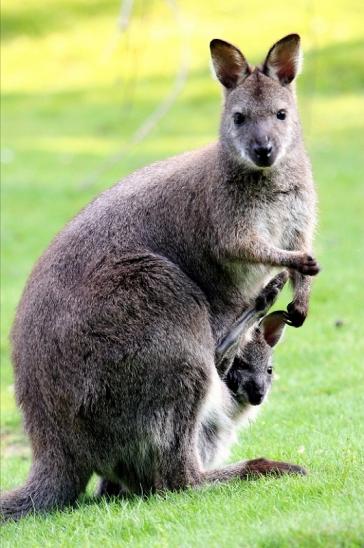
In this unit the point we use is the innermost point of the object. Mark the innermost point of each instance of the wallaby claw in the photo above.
(295, 315)
(287, 319)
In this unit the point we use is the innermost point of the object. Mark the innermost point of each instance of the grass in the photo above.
(73, 94)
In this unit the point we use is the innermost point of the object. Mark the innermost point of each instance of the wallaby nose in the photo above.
(257, 398)
(262, 151)
(255, 392)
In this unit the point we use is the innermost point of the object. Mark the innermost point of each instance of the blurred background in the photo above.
(94, 89)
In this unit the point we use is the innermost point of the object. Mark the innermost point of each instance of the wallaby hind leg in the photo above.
(52, 483)
(180, 466)
(242, 470)
(187, 473)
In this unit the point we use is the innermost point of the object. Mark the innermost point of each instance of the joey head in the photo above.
(250, 377)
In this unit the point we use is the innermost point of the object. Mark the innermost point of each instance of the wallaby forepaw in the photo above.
(306, 264)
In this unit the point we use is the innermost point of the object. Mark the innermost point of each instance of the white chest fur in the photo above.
(219, 421)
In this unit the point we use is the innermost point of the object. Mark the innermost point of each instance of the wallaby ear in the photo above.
(230, 65)
(284, 59)
(273, 326)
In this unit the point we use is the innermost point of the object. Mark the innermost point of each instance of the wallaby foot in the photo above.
(107, 488)
(297, 310)
(48, 487)
(252, 468)
(245, 470)
(264, 467)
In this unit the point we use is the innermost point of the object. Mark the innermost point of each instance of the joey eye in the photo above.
(270, 370)
(281, 114)
(238, 118)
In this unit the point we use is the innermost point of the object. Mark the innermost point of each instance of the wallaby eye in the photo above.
(270, 370)
(238, 118)
(281, 114)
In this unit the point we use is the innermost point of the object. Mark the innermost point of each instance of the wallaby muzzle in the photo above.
(262, 151)
(263, 156)
(255, 392)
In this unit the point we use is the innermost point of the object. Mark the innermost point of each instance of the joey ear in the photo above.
(230, 65)
(273, 326)
(284, 59)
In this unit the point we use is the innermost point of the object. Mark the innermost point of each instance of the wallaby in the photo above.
(115, 335)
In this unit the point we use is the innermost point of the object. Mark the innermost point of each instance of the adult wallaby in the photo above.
(115, 335)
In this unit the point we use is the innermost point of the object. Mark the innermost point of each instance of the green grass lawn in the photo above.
(74, 92)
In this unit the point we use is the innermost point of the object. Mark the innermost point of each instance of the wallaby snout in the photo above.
(252, 384)
(263, 153)
(256, 392)
(250, 378)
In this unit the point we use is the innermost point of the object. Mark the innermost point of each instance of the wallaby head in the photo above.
(250, 377)
(260, 122)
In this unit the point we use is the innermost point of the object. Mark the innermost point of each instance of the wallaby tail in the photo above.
(47, 488)
(20, 502)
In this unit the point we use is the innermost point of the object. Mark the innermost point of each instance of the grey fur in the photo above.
(115, 335)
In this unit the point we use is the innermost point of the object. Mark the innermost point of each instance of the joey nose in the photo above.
(257, 398)
(255, 392)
